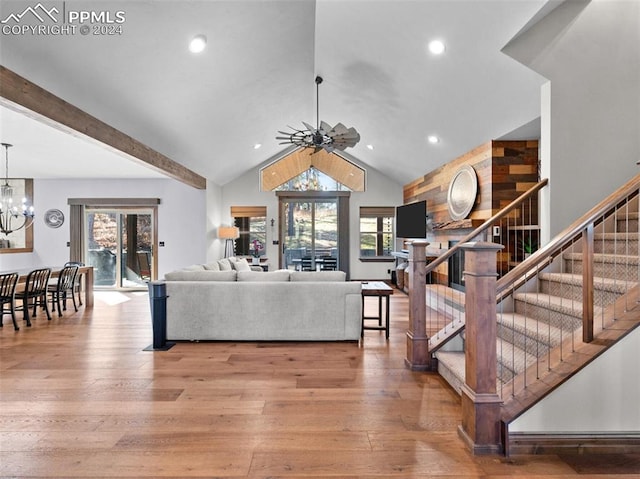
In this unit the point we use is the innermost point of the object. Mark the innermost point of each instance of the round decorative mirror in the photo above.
(462, 192)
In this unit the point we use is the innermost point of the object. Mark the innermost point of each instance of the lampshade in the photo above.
(228, 232)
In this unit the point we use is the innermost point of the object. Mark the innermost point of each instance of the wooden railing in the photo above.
(584, 284)
(511, 226)
(589, 266)
(590, 271)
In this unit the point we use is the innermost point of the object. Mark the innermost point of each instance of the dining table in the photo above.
(85, 277)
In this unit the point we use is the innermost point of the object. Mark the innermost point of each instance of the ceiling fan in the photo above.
(324, 135)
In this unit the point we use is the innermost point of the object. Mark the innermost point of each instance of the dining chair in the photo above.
(58, 289)
(77, 287)
(307, 263)
(35, 291)
(8, 282)
(329, 264)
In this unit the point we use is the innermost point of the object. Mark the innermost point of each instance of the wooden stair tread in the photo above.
(599, 282)
(621, 235)
(556, 303)
(605, 258)
(534, 329)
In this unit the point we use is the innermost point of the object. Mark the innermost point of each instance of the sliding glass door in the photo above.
(119, 245)
(309, 234)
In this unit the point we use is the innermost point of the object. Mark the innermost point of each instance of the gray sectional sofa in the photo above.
(283, 305)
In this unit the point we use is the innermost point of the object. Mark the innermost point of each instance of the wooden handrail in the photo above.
(488, 223)
(571, 233)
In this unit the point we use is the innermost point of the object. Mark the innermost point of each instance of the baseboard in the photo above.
(611, 443)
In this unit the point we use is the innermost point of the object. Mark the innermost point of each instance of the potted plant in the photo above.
(528, 246)
(255, 247)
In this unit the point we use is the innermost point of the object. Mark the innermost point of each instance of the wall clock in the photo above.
(462, 192)
(53, 218)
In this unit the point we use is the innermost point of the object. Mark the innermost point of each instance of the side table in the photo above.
(381, 290)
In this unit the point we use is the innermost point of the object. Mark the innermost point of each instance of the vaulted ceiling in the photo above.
(207, 111)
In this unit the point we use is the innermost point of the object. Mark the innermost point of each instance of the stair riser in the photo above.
(555, 318)
(616, 247)
(445, 306)
(625, 226)
(575, 292)
(620, 271)
(504, 372)
(526, 342)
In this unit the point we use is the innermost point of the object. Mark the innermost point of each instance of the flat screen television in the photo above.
(411, 220)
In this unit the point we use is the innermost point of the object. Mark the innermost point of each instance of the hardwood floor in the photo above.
(80, 398)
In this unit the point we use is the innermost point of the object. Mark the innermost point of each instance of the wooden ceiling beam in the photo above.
(23, 96)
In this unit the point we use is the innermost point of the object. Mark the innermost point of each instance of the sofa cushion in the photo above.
(264, 276)
(225, 264)
(194, 267)
(201, 276)
(212, 266)
(318, 276)
(240, 264)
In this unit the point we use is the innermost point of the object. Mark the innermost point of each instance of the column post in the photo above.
(418, 357)
(481, 428)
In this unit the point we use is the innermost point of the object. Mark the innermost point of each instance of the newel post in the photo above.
(480, 427)
(418, 357)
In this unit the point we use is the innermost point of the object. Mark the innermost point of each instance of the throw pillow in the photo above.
(240, 264)
(212, 266)
(225, 264)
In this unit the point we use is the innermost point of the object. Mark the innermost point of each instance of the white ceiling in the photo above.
(256, 76)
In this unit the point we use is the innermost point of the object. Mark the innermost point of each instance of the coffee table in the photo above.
(381, 290)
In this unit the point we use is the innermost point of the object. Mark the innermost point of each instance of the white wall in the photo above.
(590, 52)
(245, 190)
(181, 220)
(601, 398)
(215, 247)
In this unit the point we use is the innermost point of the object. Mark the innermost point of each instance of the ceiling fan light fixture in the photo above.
(323, 136)
(197, 44)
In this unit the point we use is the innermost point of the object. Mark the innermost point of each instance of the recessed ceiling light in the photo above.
(436, 47)
(198, 43)
(257, 146)
(433, 139)
(370, 147)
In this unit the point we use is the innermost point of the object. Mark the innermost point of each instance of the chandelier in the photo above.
(323, 135)
(12, 217)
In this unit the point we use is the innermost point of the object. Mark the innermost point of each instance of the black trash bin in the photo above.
(158, 303)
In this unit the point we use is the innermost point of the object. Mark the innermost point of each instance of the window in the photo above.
(376, 232)
(252, 223)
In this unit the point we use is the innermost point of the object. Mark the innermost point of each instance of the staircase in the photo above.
(551, 307)
(539, 320)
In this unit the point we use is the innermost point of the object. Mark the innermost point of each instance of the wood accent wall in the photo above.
(505, 170)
